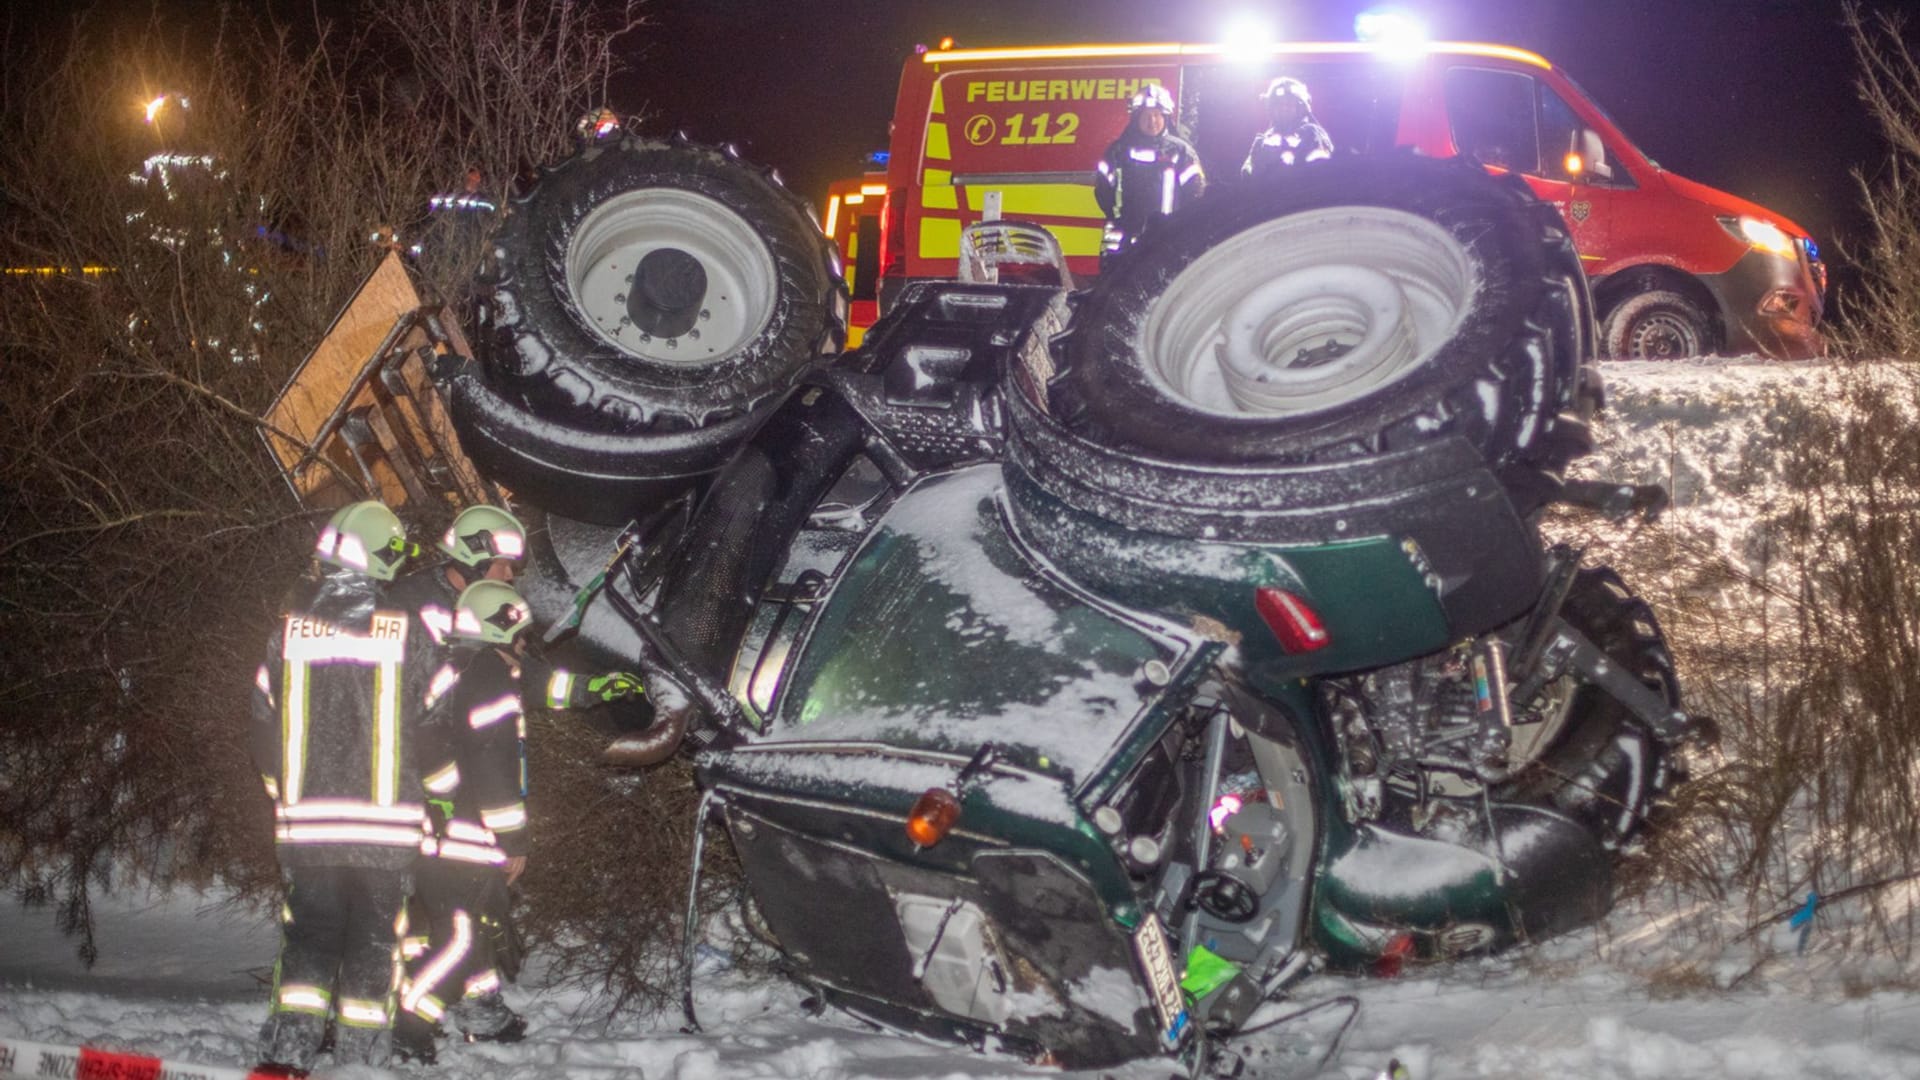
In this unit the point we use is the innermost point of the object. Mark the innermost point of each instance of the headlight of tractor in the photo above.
(1762, 235)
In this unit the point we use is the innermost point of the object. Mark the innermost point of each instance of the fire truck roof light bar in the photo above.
(1285, 48)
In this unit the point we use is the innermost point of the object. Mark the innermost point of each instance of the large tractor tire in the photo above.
(1597, 763)
(647, 302)
(1361, 306)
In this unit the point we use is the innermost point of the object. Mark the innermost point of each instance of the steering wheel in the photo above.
(1224, 896)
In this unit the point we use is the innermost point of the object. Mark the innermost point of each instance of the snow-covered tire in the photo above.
(1602, 767)
(643, 290)
(1657, 325)
(1456, 299)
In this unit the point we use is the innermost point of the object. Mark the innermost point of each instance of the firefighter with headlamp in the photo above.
(1147, 172)
(473, 740)
(488, 543)
(482, 546)
(335, 714)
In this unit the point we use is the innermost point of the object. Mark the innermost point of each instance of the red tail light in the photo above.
(1294, 624)
(932, 817)
(1393, 959)
(893, 230)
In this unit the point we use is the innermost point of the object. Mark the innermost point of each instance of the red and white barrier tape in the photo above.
(22, 1060)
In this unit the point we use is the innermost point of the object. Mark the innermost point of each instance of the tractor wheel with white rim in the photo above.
(647, 301)
(1357, 306)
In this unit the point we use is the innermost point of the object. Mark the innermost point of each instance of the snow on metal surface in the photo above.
(943, 636)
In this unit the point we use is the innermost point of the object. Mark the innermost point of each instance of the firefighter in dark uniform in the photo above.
(335, 711)
(487, 542)
(1148, 171)
(483, 544)
(1292, 137)
(474, 735)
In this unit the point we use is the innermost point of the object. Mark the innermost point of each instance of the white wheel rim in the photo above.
(1307, 312)
(741, 280)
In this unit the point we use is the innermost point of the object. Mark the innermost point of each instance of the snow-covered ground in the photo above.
(181, 978)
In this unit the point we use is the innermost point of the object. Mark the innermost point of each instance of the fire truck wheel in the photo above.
(1360, 306)
(1657, 325)
(645, 288)
(1596, 762)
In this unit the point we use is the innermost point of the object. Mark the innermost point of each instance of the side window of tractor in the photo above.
(1492, 117)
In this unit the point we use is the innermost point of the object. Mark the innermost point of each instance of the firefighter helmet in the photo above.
(1151, 96)
(364, 537)
(481, 534)
(1287, 86)
(490, 611)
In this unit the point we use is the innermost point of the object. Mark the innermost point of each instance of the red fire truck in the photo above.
(1678, 268)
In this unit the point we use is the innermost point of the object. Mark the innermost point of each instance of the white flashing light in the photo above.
(1247, 38)
(1390, 27)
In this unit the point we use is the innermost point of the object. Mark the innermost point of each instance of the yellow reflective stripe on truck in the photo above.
(1079, 239)
(939, 238)
(1035, 200)
(937, 148)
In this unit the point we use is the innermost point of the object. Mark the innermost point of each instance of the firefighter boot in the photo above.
(356, 1045)
(291, 1040)
(486, 1018)
(415, 1039)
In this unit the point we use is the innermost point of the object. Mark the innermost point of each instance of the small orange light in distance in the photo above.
(1294, 624)
(933, 817)
(1575, 166)
(946, 43)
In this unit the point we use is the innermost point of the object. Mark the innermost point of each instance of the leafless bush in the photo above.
(1884, 314)
(606, 885)
(1806, 652)
(145, 538)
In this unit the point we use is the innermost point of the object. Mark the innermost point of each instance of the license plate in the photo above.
(1150, 945)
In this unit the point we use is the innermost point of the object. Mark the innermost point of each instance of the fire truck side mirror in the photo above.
(1587, 156)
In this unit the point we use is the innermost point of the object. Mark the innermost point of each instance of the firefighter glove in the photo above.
(613, 686)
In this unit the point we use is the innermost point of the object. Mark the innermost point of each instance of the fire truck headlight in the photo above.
(1762, 235)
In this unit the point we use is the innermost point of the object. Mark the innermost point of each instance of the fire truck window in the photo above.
(866, 257)
(1557, 125)
(1492, 116)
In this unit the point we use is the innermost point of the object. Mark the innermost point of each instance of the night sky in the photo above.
(1751, 96)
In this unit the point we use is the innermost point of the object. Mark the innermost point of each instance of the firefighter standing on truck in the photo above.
(474, 735)
(1148, 171)
(1293, 136)
(335, 711)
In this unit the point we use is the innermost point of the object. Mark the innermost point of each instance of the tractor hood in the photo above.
(943, 634)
